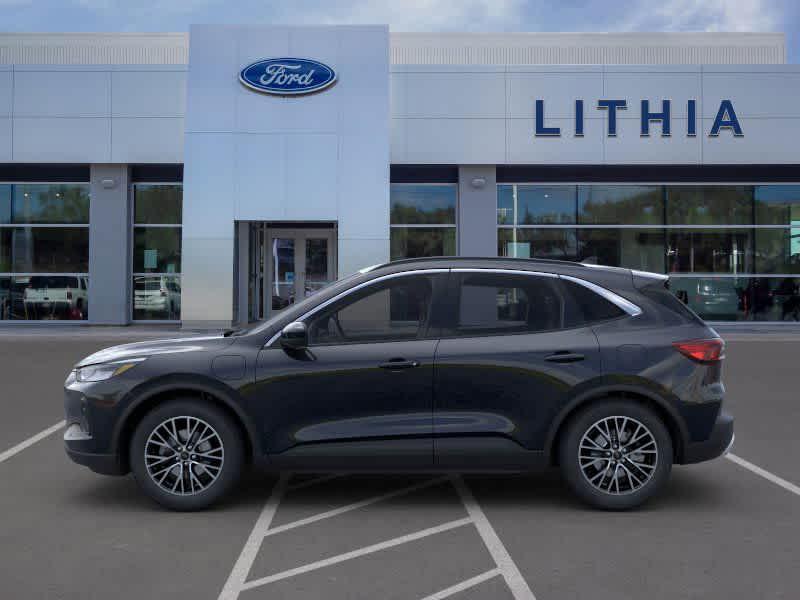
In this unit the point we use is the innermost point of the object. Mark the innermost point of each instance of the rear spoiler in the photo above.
(640, 278)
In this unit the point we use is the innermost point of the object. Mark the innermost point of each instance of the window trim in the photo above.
(625, 305)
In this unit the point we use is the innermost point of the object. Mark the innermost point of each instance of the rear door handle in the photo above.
(397, 364)
(565, 357)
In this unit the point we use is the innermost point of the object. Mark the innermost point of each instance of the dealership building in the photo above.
(214, 177)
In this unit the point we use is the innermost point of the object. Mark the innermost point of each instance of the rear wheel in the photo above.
(186, 454)
(616, 455)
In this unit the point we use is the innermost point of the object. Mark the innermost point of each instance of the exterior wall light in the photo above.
(478, 182)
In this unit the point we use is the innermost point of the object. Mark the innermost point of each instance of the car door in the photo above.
(509, 359)
(361, 395)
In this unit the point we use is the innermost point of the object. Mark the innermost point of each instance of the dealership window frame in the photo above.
(752, 227)
(133, 226)
(85, 275)
(409, 226)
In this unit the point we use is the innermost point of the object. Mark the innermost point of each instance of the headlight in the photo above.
(105, 371)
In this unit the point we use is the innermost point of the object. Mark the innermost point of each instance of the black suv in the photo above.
(438, 364)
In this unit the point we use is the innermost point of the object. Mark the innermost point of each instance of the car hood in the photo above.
(151, 348)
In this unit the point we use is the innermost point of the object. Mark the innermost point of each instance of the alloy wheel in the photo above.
(618, 455)
(184, 455)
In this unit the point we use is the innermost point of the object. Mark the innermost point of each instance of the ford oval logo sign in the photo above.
(287, 76)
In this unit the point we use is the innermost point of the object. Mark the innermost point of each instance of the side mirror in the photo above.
(294, 336)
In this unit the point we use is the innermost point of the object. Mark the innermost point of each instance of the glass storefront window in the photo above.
(157, 249)
(44, 204)
(535, 204)
(158, 204)
(423, 204)
(557, 244)
(740, 298)
(156, 297)
(44, 297)
(44, 251)
(418, 242)
(725, 247)
(423, 220)
(620, 204)
(778, 250)
(157, 214)
(714, 299)
(641, 249)
(710, 250)
(709, 205)
(777, 205)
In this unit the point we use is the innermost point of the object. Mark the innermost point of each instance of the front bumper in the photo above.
(717, 444)
(78, 444)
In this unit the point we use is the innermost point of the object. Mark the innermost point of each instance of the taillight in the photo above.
(702, 350)
(69, 295)
(163, 293)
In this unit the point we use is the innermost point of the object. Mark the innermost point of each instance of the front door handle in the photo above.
(565, 357)
(397, 364)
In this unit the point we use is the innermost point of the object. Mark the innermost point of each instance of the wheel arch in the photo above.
(662, 407)
(147, 397)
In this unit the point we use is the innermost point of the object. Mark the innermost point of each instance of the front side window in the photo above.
(157, 215)
(423, 220)
(496, 304)
(394, 310)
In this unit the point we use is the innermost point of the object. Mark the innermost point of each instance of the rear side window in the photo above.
(583, 306)
(494, 303)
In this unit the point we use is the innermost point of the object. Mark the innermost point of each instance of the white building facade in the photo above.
(147, 178)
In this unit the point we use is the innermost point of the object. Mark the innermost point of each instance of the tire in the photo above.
(615, 482)
(205, 476)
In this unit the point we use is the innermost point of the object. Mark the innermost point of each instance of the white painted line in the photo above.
(355, 506)
(314, 481)
(765, 474)
(356, 553)
(514, 579)
(31, 441)
(241, 569)
(464, 585)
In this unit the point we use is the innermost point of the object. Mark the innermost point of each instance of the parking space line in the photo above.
(511, 573)
(241, 569)
(314, 481)
(464, 585)
(31, 441)
(356, 553)
(355, 506)
(764, 473)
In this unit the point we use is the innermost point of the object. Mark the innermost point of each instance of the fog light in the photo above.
(84, 423)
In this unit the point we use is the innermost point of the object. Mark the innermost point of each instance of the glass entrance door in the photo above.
(299, 262)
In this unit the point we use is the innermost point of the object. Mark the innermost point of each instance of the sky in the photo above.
(414, 15)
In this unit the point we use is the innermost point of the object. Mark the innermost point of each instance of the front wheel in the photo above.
(615, 455)
(186, 454)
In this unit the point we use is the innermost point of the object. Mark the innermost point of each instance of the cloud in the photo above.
(415, 15)
(704, 15)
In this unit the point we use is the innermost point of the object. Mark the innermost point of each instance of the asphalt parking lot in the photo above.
(721, 530)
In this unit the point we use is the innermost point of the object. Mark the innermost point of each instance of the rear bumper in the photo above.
(717, 444)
